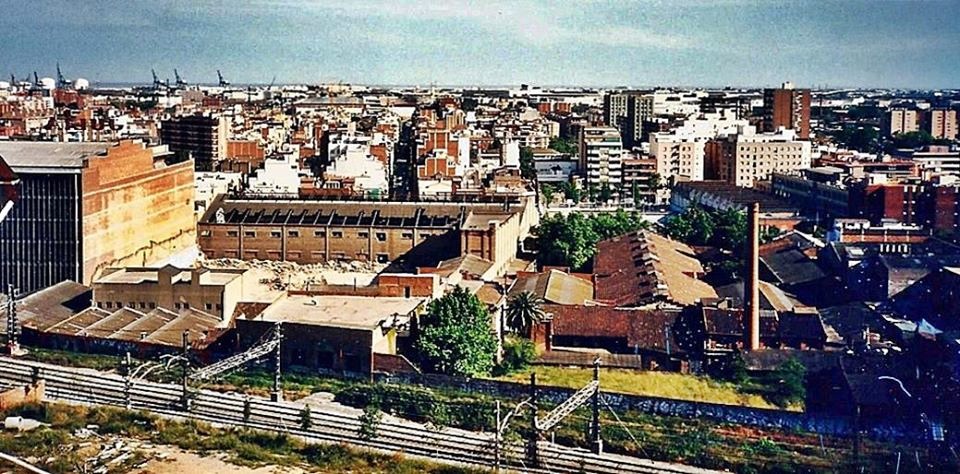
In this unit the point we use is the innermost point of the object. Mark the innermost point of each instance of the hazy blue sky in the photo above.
(689, 42)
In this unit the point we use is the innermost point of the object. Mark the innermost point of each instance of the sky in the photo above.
(844, 43)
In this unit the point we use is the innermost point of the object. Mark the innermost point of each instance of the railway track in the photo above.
(233, 410)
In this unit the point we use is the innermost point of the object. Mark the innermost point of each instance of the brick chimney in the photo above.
(751, 284)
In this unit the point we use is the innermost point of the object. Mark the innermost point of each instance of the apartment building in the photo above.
(787, 107)
(941, 123)
(639, 110)
(615, 108)
(600, 156)
(203, 137)
(743, 159)
(901, 120)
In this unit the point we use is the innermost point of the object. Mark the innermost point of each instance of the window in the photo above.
(383, 258)
(382, 236)
(276, 234)
(293, 233)
(337, 234)
(119, 305)
(249, 233)
(100, 304)
(205, 233)
(407, 236)
(152, 305)
(319, 233)
(363, 234)
(219, 307)
(143, 305)
(208, 306)
(132, 305)
(232, 233)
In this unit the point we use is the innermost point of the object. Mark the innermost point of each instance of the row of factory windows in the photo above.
(152, 305)
(335, 234)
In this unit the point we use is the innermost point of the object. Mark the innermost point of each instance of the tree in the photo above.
(548, 192)
(523, 311)
(527, 169)
(570, 191)
(790, 383)
(370, 422)
(454, 336)
(730, 230)
(561, 145)
(606, 193)
(572, 240)
(518, 353)
(567, 241)
(592, 192)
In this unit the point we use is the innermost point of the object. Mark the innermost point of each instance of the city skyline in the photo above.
(736, 43)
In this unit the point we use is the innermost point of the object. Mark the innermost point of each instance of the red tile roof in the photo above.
(643, 328)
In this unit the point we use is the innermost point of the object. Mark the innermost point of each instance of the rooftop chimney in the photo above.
(751, 285)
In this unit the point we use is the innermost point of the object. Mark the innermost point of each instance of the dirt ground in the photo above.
(171, 460)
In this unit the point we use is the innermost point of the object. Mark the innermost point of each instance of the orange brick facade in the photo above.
(134, 213)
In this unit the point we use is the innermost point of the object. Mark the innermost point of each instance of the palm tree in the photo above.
(523, 311)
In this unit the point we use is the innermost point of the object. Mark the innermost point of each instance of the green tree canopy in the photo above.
(572, 241)
(791, 383)
(562, 145)
(527, 168)
(454, 336)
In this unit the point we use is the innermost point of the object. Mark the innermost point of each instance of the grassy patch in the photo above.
(653, 384)
(59, 452)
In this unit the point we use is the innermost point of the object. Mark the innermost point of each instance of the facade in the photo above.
(215, 292)
(744, 159)
(334, 332)
(933, 161)
(600, 156)
(639, 180)
(639, 110)
(941, 123)
(901, 120)
(614, 108)
(9, 183)
(788, 108)
(204, 138)
(86, 207)
(306, 231)
(821, 199)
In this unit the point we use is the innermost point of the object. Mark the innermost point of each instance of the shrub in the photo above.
(518, 353)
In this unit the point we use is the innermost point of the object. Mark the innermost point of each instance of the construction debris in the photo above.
(279, 275)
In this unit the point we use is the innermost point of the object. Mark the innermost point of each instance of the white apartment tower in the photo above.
(601, 156)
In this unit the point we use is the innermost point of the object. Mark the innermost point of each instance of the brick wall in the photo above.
(133, 212)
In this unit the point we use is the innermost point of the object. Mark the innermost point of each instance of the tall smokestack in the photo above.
(751, 285)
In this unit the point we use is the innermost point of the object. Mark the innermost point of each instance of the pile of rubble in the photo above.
(290, 275)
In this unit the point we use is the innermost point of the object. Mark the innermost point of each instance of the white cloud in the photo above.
(531, 23)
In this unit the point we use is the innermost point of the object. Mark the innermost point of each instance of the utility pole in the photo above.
(596, 442)
(126, 369)
(496, 442)
(13, 324)
(532, 449)
(277, 394)
(184, 368)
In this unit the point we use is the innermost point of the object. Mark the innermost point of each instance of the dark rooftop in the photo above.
(738, 195)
